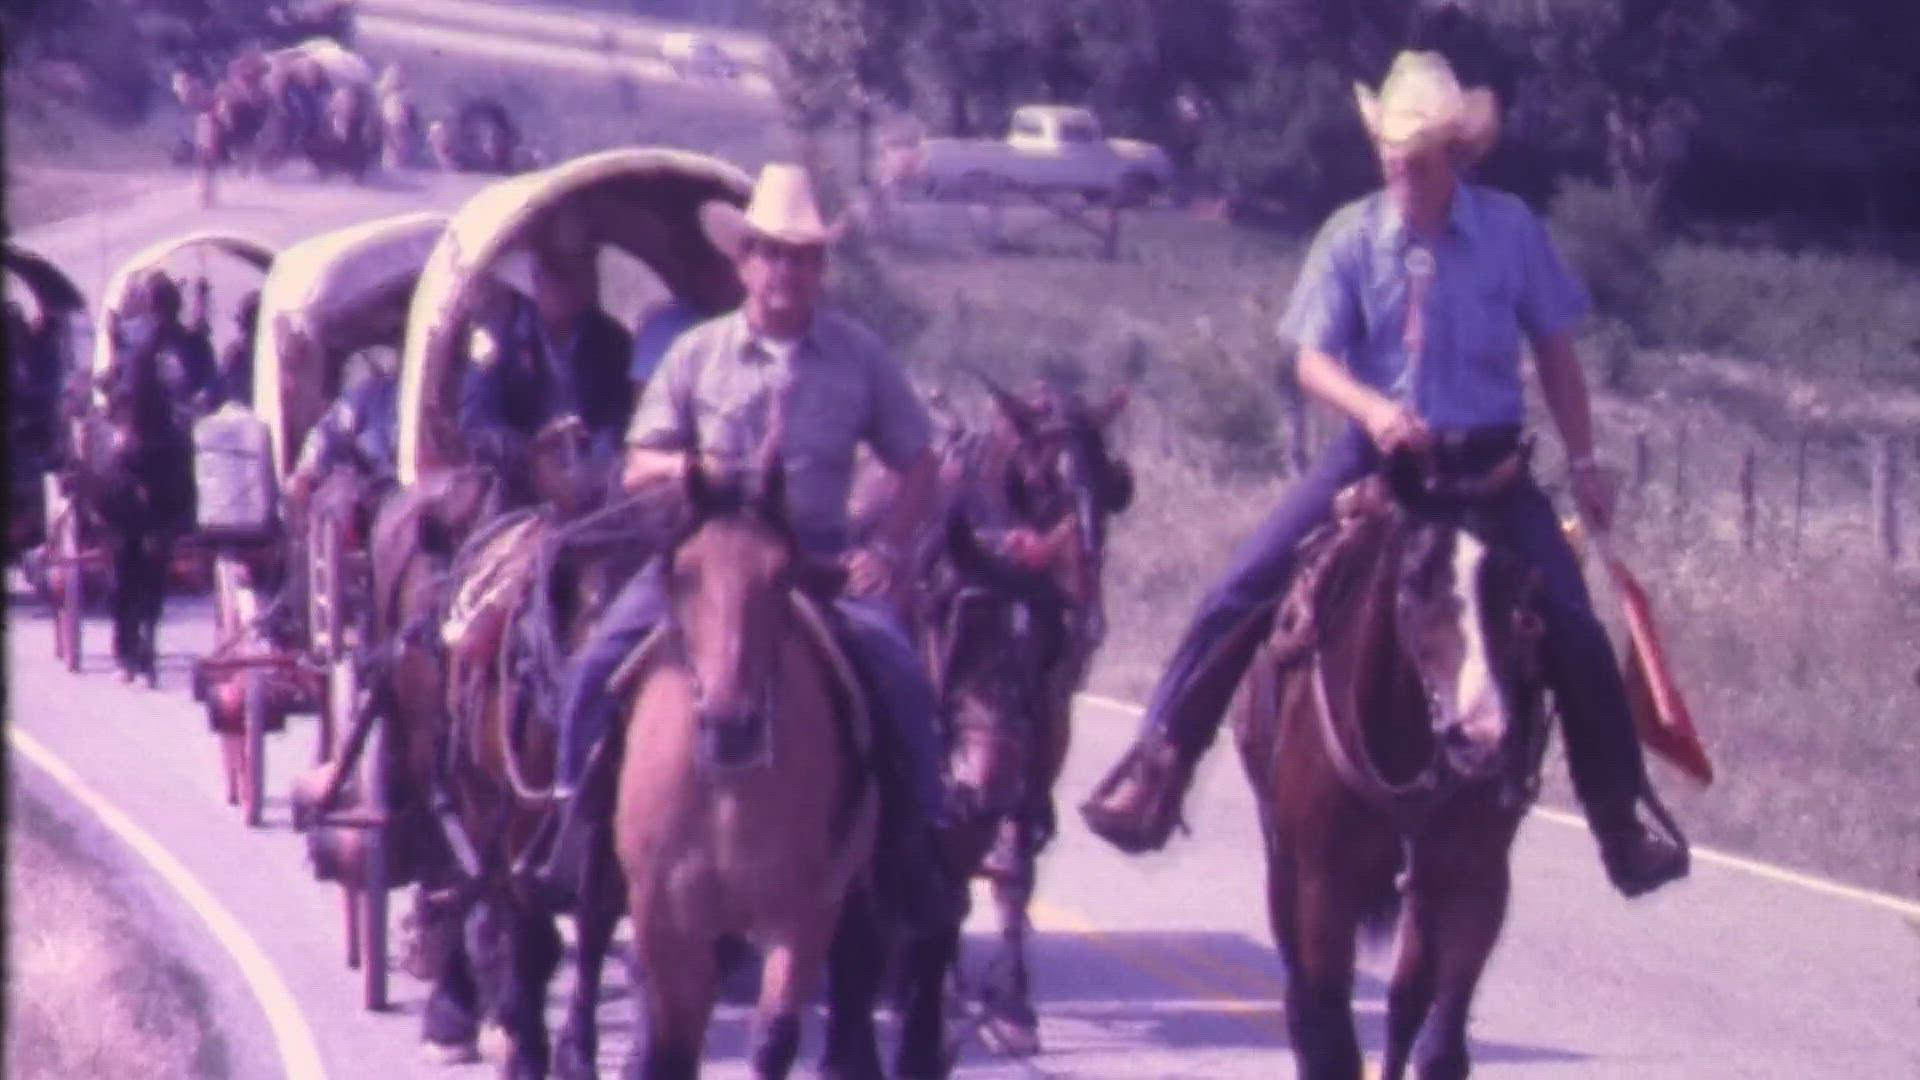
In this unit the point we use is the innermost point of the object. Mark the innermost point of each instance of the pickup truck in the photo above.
(1048, 148)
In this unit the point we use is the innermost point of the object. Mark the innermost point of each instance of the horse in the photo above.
(138, 482)
(463, 777)
(1009, 641)
(744, 808)
(348, 139)
(1392, 731)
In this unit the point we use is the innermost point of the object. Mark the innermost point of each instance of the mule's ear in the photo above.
(1109, 410)
(1018, 411)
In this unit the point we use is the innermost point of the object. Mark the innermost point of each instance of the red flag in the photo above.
(1660, 714)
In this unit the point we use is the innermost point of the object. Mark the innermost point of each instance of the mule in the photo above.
(1392, 730)
(138, 483)
(745, 808)
(1009, 641)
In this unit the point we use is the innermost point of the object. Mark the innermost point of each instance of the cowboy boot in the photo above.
(1638, 859)
(1137, 806)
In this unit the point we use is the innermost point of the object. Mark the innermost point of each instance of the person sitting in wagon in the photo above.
(554, 355)
(153, 319)
(361, 429)
(1409, 314)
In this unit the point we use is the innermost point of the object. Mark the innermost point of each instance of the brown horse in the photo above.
(465, 773)
(744, 808)
(1009, 641)
(1392, 731)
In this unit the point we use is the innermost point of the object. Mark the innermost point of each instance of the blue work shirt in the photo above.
(1496, 274)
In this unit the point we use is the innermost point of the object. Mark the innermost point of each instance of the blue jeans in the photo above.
(876, 641)
(1603, 753)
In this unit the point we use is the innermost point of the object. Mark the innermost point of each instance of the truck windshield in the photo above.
(1026, 127)
(1075, 130)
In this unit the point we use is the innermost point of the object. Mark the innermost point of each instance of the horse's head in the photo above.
(727, 584)
(1466, 616)
(1061, 475)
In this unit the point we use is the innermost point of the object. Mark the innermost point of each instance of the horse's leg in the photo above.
(450, 1024)
(1466, 913)
(1410, 995)
(786, 976)
(922, 1054)
(1314, 924)
(579, 1048)
(1010, 998)
(153, 602)
(853, 985)
(674, 977)
(535, 952)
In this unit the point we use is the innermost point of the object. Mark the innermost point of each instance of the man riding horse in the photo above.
(825, 384)
(1409, 314)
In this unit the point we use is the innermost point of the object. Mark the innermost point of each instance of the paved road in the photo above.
(1148, 968)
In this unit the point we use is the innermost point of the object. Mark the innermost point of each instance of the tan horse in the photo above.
(744, 809)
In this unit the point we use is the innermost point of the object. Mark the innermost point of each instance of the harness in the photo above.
(1338, 563)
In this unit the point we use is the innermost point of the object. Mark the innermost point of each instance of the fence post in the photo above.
(1799, 489)
(1886, 487)
(1747, 509)
(1679, 508)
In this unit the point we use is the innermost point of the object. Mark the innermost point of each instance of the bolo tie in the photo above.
(1420, 267)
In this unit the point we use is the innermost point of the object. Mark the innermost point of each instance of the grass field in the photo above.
(90, 991)
(1799, 659)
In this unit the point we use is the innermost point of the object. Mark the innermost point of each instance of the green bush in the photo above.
(1820, 314)
(1606, 234)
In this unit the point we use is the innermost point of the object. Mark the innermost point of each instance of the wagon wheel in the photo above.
(325, 614)
(258, 700)
(65, 574)
(373, 915)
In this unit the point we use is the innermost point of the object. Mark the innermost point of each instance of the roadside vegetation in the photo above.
(1796, 639)
(90, 991)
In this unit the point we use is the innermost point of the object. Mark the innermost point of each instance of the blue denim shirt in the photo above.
(1496, 274)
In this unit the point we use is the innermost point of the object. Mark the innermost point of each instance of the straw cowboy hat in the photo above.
(782, 209)
(1421, 104)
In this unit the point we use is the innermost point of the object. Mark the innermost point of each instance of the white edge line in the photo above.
(1899, 905)
(298, 1051)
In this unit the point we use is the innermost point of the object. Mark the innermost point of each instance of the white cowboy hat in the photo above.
(1422, 103)
(781, 209)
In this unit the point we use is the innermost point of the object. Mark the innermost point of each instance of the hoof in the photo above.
(446, 1055)
(495, 1044)
(1013, 1035)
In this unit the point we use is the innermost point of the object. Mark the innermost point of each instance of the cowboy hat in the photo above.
(782, 209)
(1421, 103)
